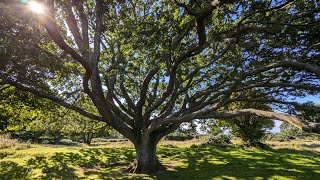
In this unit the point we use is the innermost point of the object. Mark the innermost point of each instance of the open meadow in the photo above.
(183, 160)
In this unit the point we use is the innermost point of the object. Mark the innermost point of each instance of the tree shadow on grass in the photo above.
(90, 161)
(230, 163)
(195, 163)
(11, 170)
(311, 146)
(116, 174)
(63, 165)
(58, 166)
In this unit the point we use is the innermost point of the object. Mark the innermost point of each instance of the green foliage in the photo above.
(67, 142)
(309, 112)
(63, 123)
(289, 132)
(9, 146)
(10, 170)
(31, 118)
(250, 129)
(179, 136)
(219, 139)
(17, 108)
(186, 131)
(12, 144)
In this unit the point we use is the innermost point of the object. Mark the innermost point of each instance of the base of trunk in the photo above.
(145, 169)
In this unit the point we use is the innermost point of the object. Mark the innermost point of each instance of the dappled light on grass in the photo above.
(198, 162)
(234, 163)
(70, 165)
(12, 170)
(66, 165)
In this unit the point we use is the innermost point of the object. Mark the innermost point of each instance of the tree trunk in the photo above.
(146, 159)
(87, 138)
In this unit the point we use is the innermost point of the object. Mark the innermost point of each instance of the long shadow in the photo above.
(313, 146)
(229, 163)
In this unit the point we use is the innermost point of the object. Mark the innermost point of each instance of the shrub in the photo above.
(7, 143)
(180, 137)
(33, 136)
(99, 140)
(169, 146)
(218, 140)
(117, 140)
(67, 142)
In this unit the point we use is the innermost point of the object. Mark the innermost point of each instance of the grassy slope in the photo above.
(107, 162)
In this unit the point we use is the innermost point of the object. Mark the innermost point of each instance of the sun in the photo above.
(36, 7)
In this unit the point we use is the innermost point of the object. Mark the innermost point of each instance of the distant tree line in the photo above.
(30, 118)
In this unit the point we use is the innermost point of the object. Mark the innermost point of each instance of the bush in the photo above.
(33, 136)
(218, 140)
(116, 140)
(179, 137)
(99, 140)
(7, 143)
(289, 132)
(282, 137)
(67, 142)
(251, 130)
(169, 146)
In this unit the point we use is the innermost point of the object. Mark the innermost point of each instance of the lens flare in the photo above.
(36, 7)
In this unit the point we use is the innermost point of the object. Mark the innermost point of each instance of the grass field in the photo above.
(294, 160)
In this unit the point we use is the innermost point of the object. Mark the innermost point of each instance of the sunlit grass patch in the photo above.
(298, 144)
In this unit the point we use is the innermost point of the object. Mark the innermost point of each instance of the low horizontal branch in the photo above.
(209, 114)
(50, 97)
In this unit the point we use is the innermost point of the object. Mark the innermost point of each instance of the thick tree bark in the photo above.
(146, 159)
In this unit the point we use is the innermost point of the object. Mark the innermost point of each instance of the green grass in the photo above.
(235, 163)
(100, 162)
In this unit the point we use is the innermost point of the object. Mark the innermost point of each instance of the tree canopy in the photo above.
(148, 66)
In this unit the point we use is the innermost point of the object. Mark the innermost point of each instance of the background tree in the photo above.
(148, 66)
(250, 129)
(289, 132)
(83, 128)
(186, 131)
(18, 109)
(308, 111)
(28, 117)
(65, 124)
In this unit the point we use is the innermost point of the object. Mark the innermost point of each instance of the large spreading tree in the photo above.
(148, 66)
